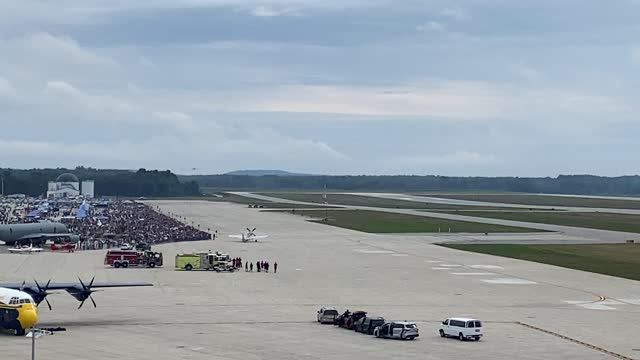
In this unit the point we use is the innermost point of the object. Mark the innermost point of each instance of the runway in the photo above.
(531, 311)
(559, 233)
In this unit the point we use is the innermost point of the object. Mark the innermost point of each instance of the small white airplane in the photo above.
(24, 249)
(250, 236)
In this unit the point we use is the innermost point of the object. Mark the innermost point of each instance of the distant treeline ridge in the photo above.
(563, 184)
(149, 183)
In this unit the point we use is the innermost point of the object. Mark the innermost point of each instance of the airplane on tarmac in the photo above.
(19, 302)
(25, 249)
(35, 233)
(250, 236)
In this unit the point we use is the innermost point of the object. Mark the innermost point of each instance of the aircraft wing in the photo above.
(31, 286)
(259, 236)
(81, 291)
(236, 236)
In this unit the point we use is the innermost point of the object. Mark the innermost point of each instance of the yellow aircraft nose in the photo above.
(27, 316)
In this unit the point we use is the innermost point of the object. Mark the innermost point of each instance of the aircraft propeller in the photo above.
(42, 293)
(86, 293)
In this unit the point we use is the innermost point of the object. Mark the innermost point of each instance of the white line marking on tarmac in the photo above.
(510, 281)
(472, 273)
(440, 268)
(400, 255)
(486, 267)
(434, 261)
(591, 305)
(365, 251)
(450, 265)
(631, 301)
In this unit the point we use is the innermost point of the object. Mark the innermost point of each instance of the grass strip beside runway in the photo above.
(592, 220)
(621, 260)
(385, 222)
(544, 200)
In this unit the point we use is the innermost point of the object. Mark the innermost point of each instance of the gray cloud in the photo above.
(336, 87)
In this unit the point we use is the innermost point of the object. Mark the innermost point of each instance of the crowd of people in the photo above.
(130, 222)
(104, 223)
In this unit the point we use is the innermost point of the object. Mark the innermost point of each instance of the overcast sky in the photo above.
(477, 87)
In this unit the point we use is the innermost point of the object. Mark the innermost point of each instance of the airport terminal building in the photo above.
(68, 185)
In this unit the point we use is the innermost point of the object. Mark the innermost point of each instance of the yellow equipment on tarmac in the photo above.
(204, 261)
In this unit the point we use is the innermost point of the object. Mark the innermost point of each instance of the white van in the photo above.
(462, 328)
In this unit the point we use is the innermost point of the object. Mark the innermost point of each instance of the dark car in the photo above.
(340, 319)
(348, 321)
(367, 324)
(143, 247)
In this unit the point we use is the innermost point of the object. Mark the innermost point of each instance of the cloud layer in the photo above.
(340, 87)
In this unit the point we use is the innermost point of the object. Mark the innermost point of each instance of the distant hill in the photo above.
(264, 173)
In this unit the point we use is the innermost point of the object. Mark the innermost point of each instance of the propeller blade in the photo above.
(22, 286)
(47, 286)
(81, 283)
(38, 285)
(81, 303)
(254, 229)
(93, 301)
(91, 283)
(48, 304)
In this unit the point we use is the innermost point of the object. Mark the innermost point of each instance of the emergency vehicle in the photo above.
(126, 258)
(204, 261)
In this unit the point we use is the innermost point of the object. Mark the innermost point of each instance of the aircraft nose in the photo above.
(27, 317)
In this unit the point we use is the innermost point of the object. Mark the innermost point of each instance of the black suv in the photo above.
(366, 324)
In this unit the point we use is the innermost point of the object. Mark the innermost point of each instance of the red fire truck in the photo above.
(126, 258)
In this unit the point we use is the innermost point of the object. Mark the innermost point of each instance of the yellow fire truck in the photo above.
(204, 261)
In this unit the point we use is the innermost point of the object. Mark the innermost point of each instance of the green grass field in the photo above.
(357, 200)
(384, 222)
(543, 200)
(593, 220)
(621, 260)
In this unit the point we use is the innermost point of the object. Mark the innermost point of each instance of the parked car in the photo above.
(327, 314)
(462, 328)
(367, 324)
(403, 330)
(143, 247)
(126, 246)
(341, 318)
(349, 320)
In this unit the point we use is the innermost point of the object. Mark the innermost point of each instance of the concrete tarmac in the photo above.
(530, 311)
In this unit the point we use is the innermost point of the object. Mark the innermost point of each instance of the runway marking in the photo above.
(450, 265)
(601, 304)
(440, 268)
(631, 301)
(472, 273)
(575, 341)
(510, 281)
(433, 261)
(400, 255)
(486, 267)
(366, 251)
(590, 305)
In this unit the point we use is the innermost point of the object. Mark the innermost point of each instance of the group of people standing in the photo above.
(261, 266)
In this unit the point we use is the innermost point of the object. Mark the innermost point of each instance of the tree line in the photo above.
(563, 184)
(148, 183)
